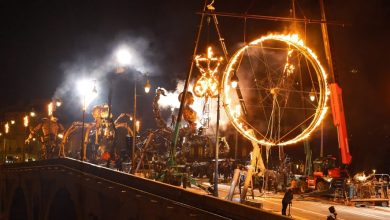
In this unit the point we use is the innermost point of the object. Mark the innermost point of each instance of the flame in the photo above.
(171, 102)
(207, 84)
(6, 128)
(25, 121)
(50, 109)
(296, 43)
(289, 68)
(138, 125)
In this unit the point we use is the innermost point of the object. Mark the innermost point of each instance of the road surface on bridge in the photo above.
(309, 209)
(302, 209)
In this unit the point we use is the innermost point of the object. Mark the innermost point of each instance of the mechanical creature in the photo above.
(189, 114)
(49, 132)
(157, 142)
(100, 134)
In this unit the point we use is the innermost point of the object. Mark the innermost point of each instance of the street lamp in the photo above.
(25, 124)
(147, 86)
(136, 123)
(88, 91)
(234, 81)
(58, 103)
(312, 95)
(6, 130)
(123, 59)
(123, 56)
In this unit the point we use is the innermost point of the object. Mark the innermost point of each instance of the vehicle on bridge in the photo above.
(326, 174)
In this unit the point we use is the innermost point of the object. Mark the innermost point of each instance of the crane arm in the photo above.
(339, 122)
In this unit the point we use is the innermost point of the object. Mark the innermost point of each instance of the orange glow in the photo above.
(50, 109)
(138, 125)
(294, 42)
(207, 84)
(25, 121)
(6, 128)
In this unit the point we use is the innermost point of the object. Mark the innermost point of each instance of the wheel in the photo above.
(302, 187)
(282, 90)
(322, 186)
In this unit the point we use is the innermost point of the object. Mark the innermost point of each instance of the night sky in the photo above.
(47, 45)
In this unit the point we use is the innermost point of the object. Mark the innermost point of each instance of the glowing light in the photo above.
(237, 111)
(123, 56)
(361, 177)
(87, 90)
(58, 103)
(207, 83)
(50, 109)
(34, 139)
(234, 81)
(60, 136)
(6, 128)
(25, 121)
(295, 44)
(33, 114)
(289, 68)
(12, 122)
(147, 86)
(138, 125)
(312, 97)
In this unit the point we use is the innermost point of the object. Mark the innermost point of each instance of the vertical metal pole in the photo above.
(294, 15)
(82, 156)
(236, 146)
(172, 152)
(322, 140)
(217, 147)
(23, 145)
(4, 153)
(134, 125)
(328, 54)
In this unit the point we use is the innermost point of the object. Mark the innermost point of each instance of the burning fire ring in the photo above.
(293, 41)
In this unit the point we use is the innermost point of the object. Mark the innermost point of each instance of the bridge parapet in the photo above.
(69, 189)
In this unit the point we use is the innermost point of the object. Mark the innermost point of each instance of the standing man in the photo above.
(288, 197)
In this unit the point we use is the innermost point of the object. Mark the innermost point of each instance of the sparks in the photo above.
(295, 43)
(207, 84)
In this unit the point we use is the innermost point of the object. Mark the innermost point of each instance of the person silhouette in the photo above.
(333, 213)
(287, 198)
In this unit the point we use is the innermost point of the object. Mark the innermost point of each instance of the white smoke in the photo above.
(93, 68)
(171, 101)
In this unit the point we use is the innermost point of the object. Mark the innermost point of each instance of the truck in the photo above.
(326, 174)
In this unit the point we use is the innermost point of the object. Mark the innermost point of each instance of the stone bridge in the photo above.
(70, 189)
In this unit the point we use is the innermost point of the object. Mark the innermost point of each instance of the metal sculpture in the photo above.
(103, 129)
(278, 88)
(156, 143)
(49, 132)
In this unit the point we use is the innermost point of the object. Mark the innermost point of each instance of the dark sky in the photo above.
(43, 44)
